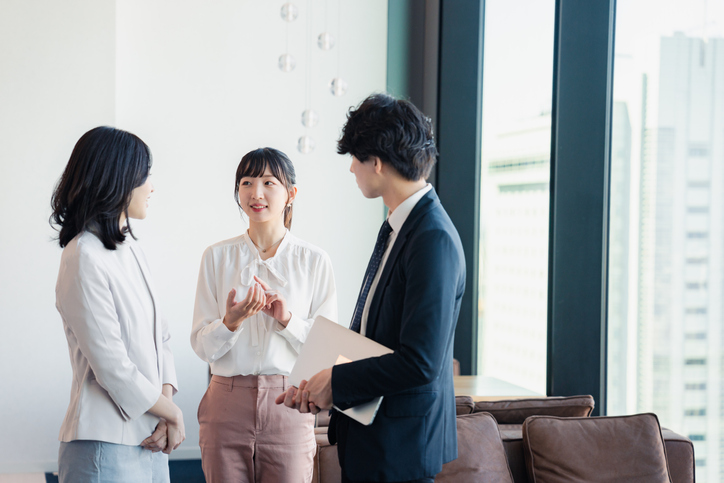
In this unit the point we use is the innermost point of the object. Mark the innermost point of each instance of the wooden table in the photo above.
(486, 388)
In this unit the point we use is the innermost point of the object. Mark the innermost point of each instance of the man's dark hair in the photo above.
(393, 130)
(105, 167)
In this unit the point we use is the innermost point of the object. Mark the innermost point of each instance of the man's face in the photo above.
(367, 176)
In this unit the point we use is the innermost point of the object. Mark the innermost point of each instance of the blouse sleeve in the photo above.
(85, 302)
(210, 338)
(324, 303)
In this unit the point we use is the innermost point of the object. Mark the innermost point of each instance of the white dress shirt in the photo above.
(396, 219)
(117, 339)
(299, 271)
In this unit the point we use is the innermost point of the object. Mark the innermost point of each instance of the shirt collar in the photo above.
(398, 217)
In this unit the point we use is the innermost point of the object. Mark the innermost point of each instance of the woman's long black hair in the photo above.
(105, 167)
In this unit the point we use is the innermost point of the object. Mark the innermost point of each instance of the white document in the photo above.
(329, 344)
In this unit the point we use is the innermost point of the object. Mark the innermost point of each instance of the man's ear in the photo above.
(377, 165)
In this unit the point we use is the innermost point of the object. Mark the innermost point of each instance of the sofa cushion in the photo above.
(606, 449)
(515, 411)
(679, 454)
(481, 456)
(464, 405)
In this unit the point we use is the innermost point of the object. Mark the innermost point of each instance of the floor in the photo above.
(182, 471)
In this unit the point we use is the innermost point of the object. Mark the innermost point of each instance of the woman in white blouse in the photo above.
(121, 413)
(256, 299)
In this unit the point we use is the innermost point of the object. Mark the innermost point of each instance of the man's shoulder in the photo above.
(435, 218)
(435, 239)
(430, 212)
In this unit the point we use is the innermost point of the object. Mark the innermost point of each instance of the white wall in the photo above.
(198, 81)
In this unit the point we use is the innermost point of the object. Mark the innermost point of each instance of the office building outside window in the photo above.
(515, 175)
(666, 246)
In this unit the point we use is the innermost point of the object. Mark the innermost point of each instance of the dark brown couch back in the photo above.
(515, 411)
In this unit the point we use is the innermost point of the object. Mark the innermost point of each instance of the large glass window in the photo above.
(517, 87)
(666, 258)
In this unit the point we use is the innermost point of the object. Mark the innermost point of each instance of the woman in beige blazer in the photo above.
(121, 422)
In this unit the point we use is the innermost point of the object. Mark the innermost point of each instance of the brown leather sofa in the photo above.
(555, 430)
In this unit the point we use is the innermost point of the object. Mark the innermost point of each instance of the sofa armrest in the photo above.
(326, 461)
(680, 454)
(321, 419)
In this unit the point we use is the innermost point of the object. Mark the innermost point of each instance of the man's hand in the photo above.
(312, 396)
(287, 397)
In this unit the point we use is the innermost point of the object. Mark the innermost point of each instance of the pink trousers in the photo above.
(245, 437)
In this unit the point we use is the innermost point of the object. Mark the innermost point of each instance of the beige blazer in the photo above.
(119, 353)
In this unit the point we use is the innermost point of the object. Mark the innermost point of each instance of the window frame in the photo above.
(581, 129)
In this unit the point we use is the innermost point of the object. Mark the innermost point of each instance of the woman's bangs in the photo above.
(257, 164)
(254, 167)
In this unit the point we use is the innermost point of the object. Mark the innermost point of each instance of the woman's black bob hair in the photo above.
(253, 165)
(106, 165)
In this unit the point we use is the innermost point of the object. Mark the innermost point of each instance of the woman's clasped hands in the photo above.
(276, 305)
(158, 441)
(237, 312)
(170, 431)
(167, 437)
(260, 297)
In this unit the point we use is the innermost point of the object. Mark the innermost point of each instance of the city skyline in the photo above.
(687, 246)
(666, 245)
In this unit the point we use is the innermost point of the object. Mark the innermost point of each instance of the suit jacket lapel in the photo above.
(157, 336)
(425, 204)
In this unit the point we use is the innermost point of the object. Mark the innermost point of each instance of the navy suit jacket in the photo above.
(414, 312)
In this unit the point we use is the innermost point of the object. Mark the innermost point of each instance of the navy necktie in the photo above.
(374, 264)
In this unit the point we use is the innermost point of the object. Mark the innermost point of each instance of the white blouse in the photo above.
(301, 272)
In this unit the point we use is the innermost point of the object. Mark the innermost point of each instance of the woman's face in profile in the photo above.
(139, 200)
(263, 198)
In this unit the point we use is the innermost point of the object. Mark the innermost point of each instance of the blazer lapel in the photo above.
(425, 204)
(157, 339)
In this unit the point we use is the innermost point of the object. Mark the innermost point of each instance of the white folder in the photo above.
(329, 344)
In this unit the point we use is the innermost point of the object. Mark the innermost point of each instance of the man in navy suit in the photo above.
(409, 302)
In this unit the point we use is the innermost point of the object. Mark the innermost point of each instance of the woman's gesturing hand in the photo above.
(237, 312)
(276, 305)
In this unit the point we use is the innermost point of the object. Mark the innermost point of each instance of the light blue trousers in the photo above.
(101, 462)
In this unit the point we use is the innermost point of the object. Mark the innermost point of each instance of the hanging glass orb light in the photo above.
(325, 41)
(289, 12)
(310, 118)
(287, 63)
(337, 86)
(305, 144)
